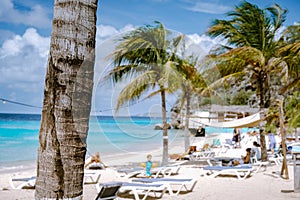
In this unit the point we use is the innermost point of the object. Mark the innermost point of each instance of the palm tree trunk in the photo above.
(165, 127)
(284, 167)
(67, 101)
(187, 120)
(262, 134)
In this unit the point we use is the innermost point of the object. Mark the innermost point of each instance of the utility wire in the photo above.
(18, 103)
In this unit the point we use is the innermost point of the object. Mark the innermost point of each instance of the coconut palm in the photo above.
(146, 56)
(290, 52)
(284, 109)
(67, 101)
(251, 33)
(190, 83)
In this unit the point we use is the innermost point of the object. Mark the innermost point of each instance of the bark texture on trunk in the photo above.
(165, 128)
(67, 100)
(187, 133)
(263, 98)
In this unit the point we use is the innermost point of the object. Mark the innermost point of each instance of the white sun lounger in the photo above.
(166, 171)
(23, 183)
(138, 189)
(180, 184)
(91, 176)
(218, 170)
(144, 189)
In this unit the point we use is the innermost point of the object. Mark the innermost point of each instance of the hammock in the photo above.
(250, 121)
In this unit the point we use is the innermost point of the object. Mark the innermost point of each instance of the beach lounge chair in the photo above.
(199, 155)
(130, 173)
(108, 191)
(221, 170)
(137, 189)
(165, 171)
(23, 183)
(91, 176)
(260, 164)
(141, 189)
(180, 184)
(277, 159)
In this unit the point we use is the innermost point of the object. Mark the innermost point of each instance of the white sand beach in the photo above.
(262, 185)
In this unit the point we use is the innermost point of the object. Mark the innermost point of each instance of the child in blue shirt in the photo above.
(148, 165)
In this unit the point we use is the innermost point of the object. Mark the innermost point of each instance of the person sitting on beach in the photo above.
(257, 150)
(95, 162)
(244, 159)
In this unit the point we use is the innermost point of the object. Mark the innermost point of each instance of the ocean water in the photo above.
(108, 135)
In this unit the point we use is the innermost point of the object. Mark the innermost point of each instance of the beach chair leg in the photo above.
(238, 175)
(169, 189)
(246, 174)
(136, 194)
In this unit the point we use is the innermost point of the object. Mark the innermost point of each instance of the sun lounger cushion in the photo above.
(143, 189)
(227, 167)
(245, 168)
(153, 180)
(169, 182)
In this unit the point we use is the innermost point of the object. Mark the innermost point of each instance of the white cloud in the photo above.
(36, 16)
(209, 7)
(23, 61)
(106, 31)
(23, 58)
(30, 38)
(205, 42)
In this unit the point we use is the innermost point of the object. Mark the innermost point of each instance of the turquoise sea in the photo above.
(108, 135)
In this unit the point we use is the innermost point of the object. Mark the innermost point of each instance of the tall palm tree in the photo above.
(146, 55)
(67, 101)
(191, 83)
(251, 33)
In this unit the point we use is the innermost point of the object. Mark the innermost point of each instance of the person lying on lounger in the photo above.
(95, 162)
(244, 159)
(186, 155)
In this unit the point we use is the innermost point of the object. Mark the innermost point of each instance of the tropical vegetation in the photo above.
(252, 51)
(146, 57)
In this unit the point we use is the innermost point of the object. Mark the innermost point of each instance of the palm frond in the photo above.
(136, 88)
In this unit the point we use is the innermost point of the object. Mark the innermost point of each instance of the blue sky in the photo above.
(25, 28)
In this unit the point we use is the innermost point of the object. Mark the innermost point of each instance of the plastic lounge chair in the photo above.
(169, 182)
(108, 191)
(203, 154)
(130, 173)
(218, 170)
(24, 183)
(229, 144)
(91, 176)
(277, 159)
(166, 171)
(144, 189)
(260, 164)
(135, 188)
